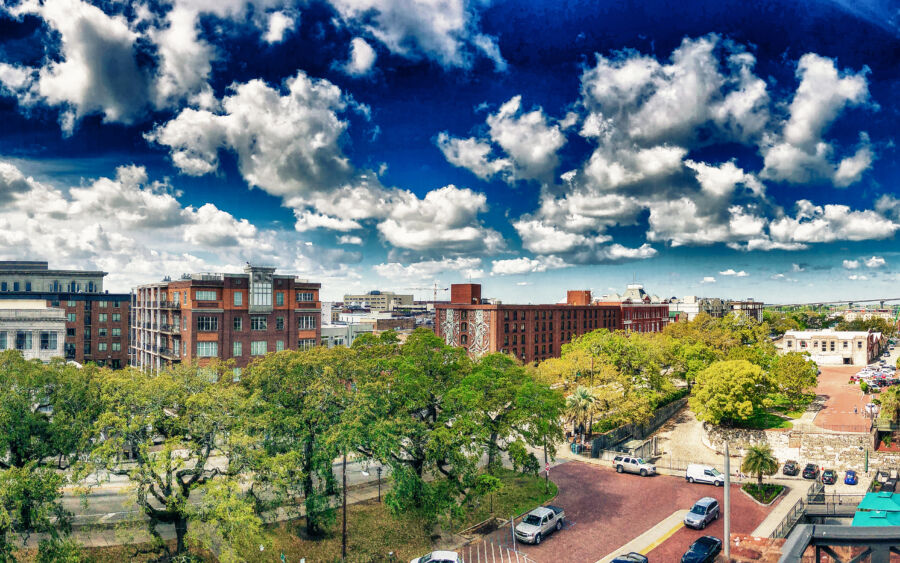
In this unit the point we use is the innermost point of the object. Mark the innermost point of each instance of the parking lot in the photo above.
(606, 510)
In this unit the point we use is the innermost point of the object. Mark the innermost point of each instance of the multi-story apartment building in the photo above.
(751, 308)
(529, 332)
(96, 322)
(236, 317)
(379, 300)
(33, 328)
(689, 307)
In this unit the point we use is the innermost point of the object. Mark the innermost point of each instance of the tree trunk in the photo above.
(181, 526)
(492, 451)
(759, 480)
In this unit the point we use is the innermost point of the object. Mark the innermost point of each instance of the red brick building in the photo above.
(96, 321)
(529, 332)
(640, 312)
(236, 317)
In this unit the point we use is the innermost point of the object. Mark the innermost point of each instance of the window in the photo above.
(117, 332)
(306, 322)
(70, 332)
(70, 303)
(176, 297)
(859, 344)
(238, 324)
(15, 286)
(845, 344)
(101, 346)
(103, 303)
(237, 349)
(306, 343)
(790, 344)
(506, 327)
(102, 317)
(208, 324)
(207, 349)
(258, 348)
(279, 323)
(238, 298)
(184, 302)
(87, 348)
(117, 317)
(87, 332)
(116, 346)
(261, 294)
(279, 345)
(3, 286)
(258, 322)
(101, 332)
(464, 327)
(3, 344)
(205, 295)
(72, 317)
(236, 374)
(464, 339)
(27, 286)
(305, 296)
(279, 298)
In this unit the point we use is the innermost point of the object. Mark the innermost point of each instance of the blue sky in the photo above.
(718, 148)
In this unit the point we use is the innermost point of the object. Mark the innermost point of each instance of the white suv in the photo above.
(624, 463)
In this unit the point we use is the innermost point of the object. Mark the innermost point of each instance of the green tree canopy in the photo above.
(760, 461)
(795, 375)
(730, 391)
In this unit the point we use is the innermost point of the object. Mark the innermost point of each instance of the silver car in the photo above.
(704, 511)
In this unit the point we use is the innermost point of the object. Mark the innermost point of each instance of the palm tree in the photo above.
(760, 461)
(579, 406)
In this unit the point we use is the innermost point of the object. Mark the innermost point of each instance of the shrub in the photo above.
(864, 386)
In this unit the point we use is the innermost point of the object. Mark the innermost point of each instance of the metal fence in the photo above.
(790, 519)
(609, 439)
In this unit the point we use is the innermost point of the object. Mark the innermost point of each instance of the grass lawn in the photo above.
(765, 421)
(372, 531)
(765, 494)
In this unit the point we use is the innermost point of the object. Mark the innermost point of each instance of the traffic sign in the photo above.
(547, 467)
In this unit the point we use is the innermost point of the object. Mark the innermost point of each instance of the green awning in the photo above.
(876, 518)
(884, 501)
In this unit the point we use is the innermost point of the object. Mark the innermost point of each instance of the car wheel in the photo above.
(558, 525)
(537, 539)
(619, 469)
(720, 483)
(703, 525)
(717, 515)
(643, 472)
(690, 479)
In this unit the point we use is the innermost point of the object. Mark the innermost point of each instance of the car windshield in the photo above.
(716, 472)
(533, 519)
(698, 509)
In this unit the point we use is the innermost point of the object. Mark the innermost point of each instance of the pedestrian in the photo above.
(854, 410)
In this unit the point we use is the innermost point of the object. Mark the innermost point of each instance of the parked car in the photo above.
(829, 477)
(632, 557)
(439, 557)
(631, 464)
(539, 523)
(850, 477)
(703, 512)
(697, 473)
(791, 468)
(811, 471)
(704, 550)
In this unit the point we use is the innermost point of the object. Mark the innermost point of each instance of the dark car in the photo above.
(811, 471)
(829, 477)
(632, 557)
(704, 550)
(791, 468)
(850, 477)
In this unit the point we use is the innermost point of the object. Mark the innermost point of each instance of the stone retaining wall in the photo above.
(828, 449)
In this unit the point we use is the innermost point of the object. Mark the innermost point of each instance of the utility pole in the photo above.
(727, 504)
(344, 511)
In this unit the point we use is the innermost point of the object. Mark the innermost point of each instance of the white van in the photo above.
(697, 473)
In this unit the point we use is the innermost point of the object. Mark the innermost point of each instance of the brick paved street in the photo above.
(840, 399)
(606, 510)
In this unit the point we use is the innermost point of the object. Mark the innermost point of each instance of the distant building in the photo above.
(687, 308)
(751, 308)
(343, 334)
(833, 347)
(96, 321)
(379, 300)
(640, 312)
(528, 332)
(33, 328)
(851, 315)
(227, 316)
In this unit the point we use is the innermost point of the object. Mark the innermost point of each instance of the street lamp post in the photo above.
(727, 504)
(378, 470)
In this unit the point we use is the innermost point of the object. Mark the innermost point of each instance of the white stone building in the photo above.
(33, 328)
(833, 347)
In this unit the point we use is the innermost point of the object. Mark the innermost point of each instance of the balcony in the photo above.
(169, 305)
(168, 353)
(171, 329)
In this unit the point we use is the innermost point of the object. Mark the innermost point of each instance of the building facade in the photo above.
(833, 347)
(687, 308)
(640, 312)
(379, 300)
(343, 334)
(851, 315)
(751, 308)
(529, 332)
(96, 321)
(32, 327)
(237, 317)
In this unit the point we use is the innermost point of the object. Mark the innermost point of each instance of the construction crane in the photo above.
(435, 289)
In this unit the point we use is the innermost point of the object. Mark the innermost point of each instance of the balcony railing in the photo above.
(174, 329)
